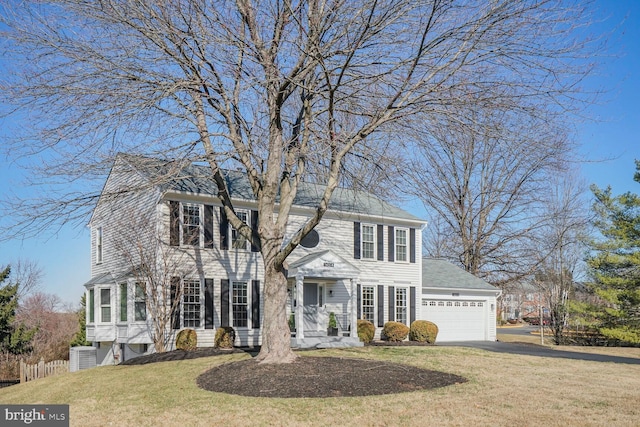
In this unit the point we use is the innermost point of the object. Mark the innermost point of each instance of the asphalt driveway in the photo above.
(538, 350)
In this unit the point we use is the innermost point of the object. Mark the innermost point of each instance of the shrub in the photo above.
(395, 331)
(187, 340)
(225, 337)
(366, 331)
(423, 331)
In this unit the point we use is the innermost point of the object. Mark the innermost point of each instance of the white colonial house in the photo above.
(362, 261)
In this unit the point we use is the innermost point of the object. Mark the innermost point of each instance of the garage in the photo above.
(462, 305)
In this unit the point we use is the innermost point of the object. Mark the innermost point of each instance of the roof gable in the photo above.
(323, 264)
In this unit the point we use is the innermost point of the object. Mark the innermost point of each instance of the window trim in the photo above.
(183, 242)
(247, 304)
(373, 242)
(103, 305)
(237, 237)
(200, 303)
(398, 307)
(405, 246)
(137, 299)
(373, 306)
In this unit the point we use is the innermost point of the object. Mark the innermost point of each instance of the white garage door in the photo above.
(457, 320)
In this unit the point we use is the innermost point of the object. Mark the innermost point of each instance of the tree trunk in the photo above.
(276, 337)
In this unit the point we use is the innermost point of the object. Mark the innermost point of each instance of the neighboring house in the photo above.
(460, 304)
(361, 261)
(523, 300)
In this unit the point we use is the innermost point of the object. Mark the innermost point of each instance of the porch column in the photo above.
(354, 309)
(299, 306)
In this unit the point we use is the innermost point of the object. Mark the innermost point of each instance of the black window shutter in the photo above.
(224, 302)
(224, 231)
(208, 303)
(380, 242)
(175, 302)
(412, 244)
(359, 301)
(412, 305)
(208, 226)
(174, 223)
(356, 240)
(254, 227)
(380, 306)
(392, 244)
(255, 304)
(392, 304)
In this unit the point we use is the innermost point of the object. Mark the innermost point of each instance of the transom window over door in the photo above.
(191, 304)
(191, 225)
(401, 244)
(401, 305)
(368, 303)
(368, 241)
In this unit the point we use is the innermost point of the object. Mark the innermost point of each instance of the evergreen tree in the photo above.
(615, 263)
(14, 338)
(80, 338)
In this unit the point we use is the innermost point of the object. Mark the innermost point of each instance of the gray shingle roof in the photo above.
(440, 273)
(197, 179)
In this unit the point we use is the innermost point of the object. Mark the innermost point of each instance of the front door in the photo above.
(310, 306)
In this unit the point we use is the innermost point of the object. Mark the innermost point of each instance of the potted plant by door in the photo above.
(332, 330)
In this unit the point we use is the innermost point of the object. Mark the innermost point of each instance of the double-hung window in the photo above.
(92, 304)
(191, 224)
(401, 305)
(368, 241)
(191, 304)
(105, 305)
(368, 303)
(401, 244)
(140, 303)
(238, 241)
(240, 304)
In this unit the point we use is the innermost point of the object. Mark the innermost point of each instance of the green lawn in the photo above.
(503, 390)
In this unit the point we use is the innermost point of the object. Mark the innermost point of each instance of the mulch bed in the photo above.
(308, 376)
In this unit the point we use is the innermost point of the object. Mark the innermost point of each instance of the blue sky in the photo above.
(610, 144)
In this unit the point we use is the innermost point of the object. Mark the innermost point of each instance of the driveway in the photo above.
(538, 350)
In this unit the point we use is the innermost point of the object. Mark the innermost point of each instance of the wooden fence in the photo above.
(42, 370)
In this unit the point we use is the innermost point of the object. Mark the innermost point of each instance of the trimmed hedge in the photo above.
(395, 331)
(225, 337)
(423, 331)
(187, 340)
(366, 331)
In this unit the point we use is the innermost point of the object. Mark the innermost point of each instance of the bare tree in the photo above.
(563, 242)
(157, 270)
(271, 87)
(28, 274)
(486, 178)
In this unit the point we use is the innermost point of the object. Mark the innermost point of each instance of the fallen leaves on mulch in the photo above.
(321, 377)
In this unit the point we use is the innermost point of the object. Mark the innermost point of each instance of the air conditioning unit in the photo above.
(82, 357)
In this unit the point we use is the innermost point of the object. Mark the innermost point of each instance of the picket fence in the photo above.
(42, 370)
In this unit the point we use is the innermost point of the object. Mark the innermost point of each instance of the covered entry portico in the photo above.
(321, 283)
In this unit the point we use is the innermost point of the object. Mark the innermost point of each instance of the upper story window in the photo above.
(191, 225)
(401, 244)
(99, 245)
(238, 241)
(368, 239)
